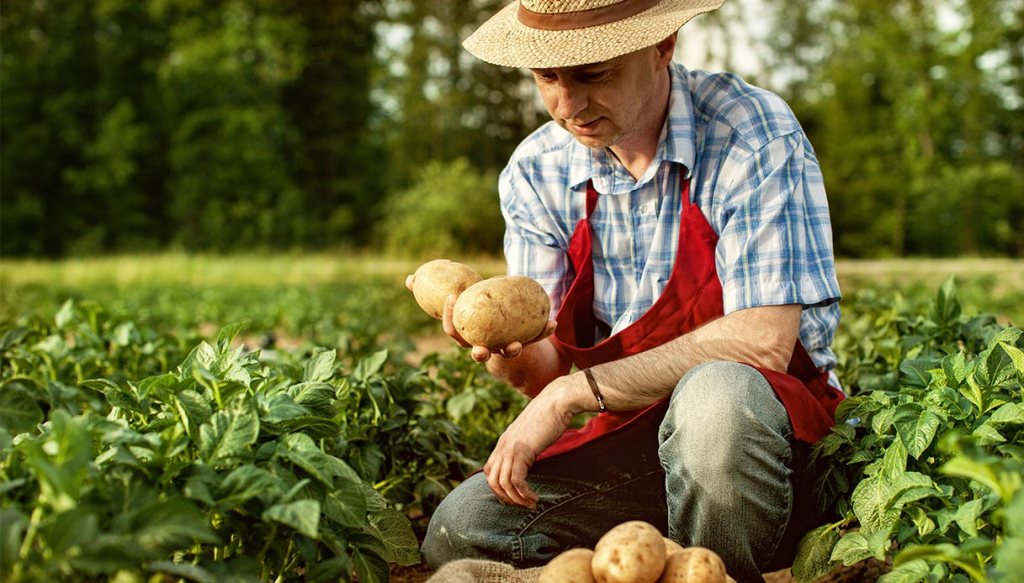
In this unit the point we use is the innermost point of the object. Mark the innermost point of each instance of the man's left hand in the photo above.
(539, 425)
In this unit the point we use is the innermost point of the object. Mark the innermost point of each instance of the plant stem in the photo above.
(26, 545)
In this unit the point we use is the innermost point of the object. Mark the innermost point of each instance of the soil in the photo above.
(864, 572)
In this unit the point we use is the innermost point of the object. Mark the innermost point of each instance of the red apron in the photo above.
(692, 296)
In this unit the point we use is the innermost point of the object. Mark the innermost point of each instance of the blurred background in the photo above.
(354, 125)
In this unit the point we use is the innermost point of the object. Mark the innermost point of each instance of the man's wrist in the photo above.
(575, 395)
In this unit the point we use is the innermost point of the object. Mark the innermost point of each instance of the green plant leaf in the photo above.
(19, 411)
(460, 405)
(967, 514)
(965, 467)
(1008, 413)
(173, 523)
(870, 500)
(193, 411)
(942, 553)
(392, 528)
(814, 552)
(13, 523)
(317, 397)
(346, 505)
(245, 483)
(370, 365)
(302, 515)
(974, 393)
(226, 438)
(1016, 356)
(856, 546)
(955, 367)
(320, 366)
(370, 568)
(60, 460)
(922, 521)
(946, 308)
(917, 431)
(916, 372)
(227, 335)
(300, 449)
(909, 572)
(65, 315)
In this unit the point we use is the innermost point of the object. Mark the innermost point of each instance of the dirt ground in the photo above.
(864, 572)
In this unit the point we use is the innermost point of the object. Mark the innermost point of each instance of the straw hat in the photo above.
(541, 34)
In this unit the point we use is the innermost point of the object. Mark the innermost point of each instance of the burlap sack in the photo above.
(478, 571)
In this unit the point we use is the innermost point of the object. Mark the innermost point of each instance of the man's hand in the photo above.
(540, 424)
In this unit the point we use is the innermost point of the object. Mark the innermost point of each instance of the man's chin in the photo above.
(596, 142)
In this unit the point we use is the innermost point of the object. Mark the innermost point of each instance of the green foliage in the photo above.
(222, 465)
(925, 459)
(913, 109)
(128, 450)
(450, 209)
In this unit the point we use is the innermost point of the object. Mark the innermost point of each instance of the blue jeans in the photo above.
(716, 473)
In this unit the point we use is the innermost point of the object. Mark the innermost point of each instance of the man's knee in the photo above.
(461, 526)
(715, 406)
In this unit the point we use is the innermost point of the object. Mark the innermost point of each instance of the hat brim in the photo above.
(503, 40)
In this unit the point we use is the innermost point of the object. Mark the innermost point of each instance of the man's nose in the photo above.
(571, 100)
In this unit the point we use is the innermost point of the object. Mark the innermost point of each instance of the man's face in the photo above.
(607, 103)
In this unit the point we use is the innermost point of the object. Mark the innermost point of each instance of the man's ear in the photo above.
(666, 49)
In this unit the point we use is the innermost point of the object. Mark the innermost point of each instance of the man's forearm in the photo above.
(759, 336)
(537, 366)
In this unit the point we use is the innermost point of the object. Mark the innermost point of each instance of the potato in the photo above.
(435, 280)
(694, 565)
(572, 566)
(632, 552)
(498, 311)
(671, 546)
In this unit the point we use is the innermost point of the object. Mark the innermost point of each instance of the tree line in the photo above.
(227, 125)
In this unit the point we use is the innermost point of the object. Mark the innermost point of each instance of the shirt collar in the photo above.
(677, 144)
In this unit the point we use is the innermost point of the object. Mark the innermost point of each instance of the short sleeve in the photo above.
(775, 239)
(535, 245)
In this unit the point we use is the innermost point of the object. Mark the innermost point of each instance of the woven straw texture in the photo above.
(565, 5)
(503, 40)
(476, 571)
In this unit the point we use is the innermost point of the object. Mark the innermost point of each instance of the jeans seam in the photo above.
(593, 491)
(781, 531)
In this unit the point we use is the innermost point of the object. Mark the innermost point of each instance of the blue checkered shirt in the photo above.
(754, 177)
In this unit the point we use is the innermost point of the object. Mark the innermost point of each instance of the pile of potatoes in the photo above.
(490, 312)
(635, 552)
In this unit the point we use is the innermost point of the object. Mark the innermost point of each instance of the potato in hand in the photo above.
(435, 280)
(501, 310)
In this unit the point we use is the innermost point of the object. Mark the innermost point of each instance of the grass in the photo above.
(990, 285)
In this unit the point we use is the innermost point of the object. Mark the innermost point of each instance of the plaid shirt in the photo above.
(754, 177)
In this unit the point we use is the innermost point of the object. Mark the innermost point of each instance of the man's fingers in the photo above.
(518, 478)
(480, 353)
(508, 484)
(513, 350)
(549, 329)
(408, 281)
(448, 325)
(492, 471)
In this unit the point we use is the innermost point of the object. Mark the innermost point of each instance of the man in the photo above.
(678, 221)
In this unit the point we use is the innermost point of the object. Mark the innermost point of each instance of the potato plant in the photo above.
(222, 465)
(925, 466)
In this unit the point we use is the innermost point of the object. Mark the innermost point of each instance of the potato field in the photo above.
(299, 418)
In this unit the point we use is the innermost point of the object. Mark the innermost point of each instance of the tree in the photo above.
(911, 107)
